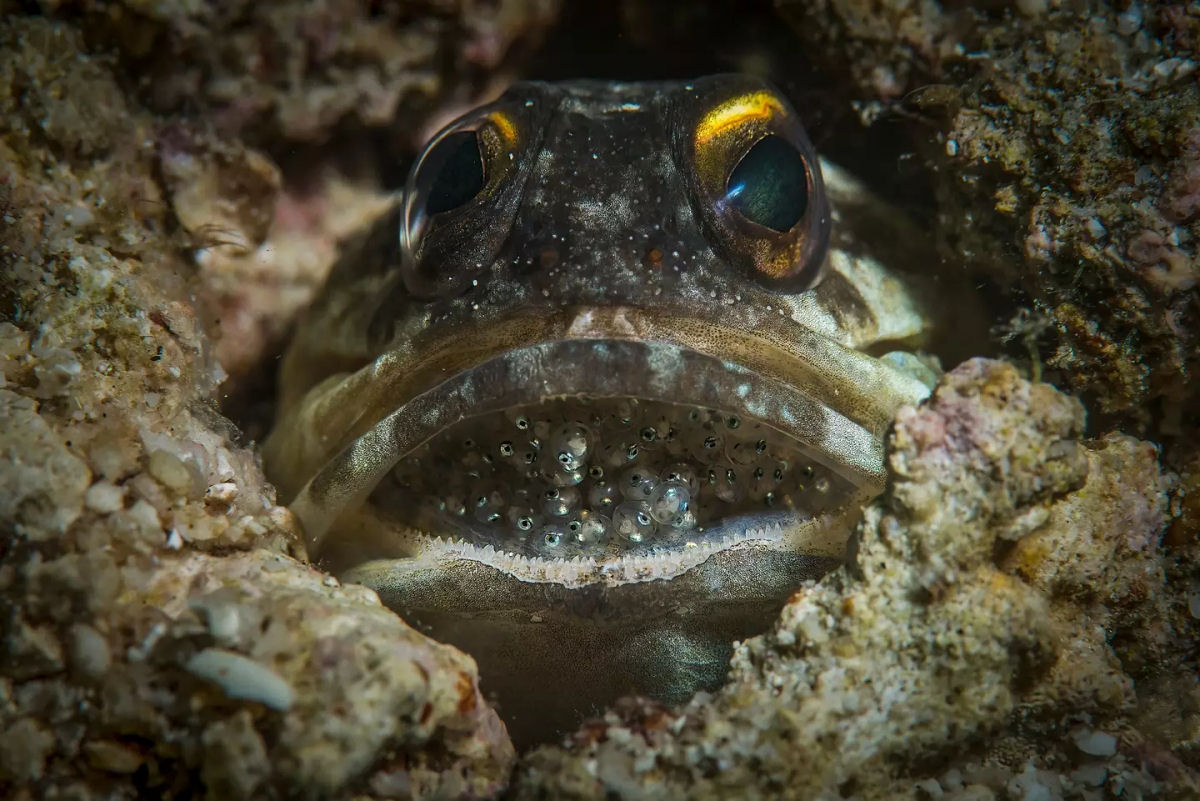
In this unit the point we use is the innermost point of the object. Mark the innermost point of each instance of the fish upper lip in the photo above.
(610, 352)
(858, 386)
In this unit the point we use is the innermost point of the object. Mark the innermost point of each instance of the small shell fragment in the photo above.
(242, 678)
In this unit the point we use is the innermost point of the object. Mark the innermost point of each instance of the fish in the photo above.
(605, 384)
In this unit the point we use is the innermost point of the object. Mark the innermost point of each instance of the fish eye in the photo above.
(755, 182)
(460, 200)
(451, 172)
(769, 186)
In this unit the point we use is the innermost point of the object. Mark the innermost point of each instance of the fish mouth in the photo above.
(621, 447)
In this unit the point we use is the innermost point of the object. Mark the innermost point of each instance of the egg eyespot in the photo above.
(769, 186)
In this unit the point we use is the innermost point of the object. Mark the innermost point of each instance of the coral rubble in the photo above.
(160, 631)
(1066, 139)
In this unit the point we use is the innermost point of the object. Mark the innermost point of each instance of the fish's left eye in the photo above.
(769, 186)
(754, 180)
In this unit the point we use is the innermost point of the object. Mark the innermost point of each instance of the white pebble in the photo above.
(240, 677)
(104, 497)
(1095, 743)
(932, 788)
(89, 650)
(170, 471)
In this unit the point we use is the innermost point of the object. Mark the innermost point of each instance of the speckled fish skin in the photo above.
(600, 237)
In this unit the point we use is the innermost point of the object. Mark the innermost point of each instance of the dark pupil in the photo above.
(769, 185)
(457, 170)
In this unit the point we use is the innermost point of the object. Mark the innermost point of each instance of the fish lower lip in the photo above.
(658, 372)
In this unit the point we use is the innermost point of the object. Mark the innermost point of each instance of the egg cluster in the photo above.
(576, 476)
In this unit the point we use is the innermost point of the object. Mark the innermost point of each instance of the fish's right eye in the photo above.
(450, 173)
(460, 200)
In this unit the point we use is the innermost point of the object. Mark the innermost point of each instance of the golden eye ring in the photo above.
(460, 187)
(756, 182)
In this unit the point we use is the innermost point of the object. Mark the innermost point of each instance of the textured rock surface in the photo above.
(1065, 160)
(159, 637)
(928, 668)
(297, 70)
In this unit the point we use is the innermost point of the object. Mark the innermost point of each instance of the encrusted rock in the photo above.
(1006, 596)
(108, 596)
(41, 491)
(27, 745)
(235, 758)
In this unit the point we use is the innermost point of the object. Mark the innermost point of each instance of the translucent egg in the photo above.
(552, 539)
(593, 529)
(683, 473)
(603, 497)
(637, 484)
(523, 519)
(552, 473)
(632, 522)
(560, 501)
(685, 521)
(661, 423)
(760, 483)
(488, 507)
(669, 501)
(518, 418)
(744, 452)
(624, 416)
(526, 455)
(619, 454)
(649, 437)
(708, 447)
(727, 485)
(675, 444)
(454, 505)
(569, 445)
